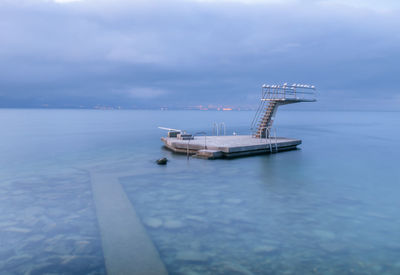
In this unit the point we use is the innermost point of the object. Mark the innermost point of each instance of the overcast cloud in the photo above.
(177, 53)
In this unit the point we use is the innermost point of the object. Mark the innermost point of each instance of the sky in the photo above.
(178, 53)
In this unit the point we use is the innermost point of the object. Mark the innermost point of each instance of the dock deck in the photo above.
(213, 147)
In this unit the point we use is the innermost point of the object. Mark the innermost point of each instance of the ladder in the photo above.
(269, 140)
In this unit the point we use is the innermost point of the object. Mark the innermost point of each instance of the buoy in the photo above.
(162, 161)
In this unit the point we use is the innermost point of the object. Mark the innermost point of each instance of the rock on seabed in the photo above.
(234, 269)
(153, 222)
(191, 256)
(173, 224)
(234, 201)
(265, 249)
(323, 234)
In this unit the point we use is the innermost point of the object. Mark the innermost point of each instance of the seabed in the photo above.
(214, 147)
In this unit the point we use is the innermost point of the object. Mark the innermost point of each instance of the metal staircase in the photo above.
(277, 95)
(266, 121)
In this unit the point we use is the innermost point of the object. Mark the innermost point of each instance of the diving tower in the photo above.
(273, 96)
(259, 141)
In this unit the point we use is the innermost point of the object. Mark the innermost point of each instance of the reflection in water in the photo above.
(330, 207)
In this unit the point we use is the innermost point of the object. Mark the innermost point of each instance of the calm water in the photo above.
(331, 207)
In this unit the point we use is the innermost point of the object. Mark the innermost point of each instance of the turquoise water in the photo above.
(330, 207)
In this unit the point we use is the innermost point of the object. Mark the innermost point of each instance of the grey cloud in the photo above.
(81, 53)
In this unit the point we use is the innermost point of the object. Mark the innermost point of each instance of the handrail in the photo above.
(215, 129)
(219, 128)
(256, 115)
(267, 135)
(187, 148)
(259, 110)
(288, 92)
(222, 125)
(276, 141)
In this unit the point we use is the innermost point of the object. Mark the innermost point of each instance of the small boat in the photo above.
(162, 161)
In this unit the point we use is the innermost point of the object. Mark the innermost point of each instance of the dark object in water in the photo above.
(162, 161)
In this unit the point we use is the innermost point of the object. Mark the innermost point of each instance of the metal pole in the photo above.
(187, 151)
(205, 138)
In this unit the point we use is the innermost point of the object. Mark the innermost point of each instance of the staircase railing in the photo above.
(266, 120)
(259, 111)
(285, 91)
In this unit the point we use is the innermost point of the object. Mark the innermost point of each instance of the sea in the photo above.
(330, 207)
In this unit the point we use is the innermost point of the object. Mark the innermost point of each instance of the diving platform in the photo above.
(214, 147)
(263, 138)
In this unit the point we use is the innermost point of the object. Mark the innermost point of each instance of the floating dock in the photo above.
(259, 142)
(214, 147)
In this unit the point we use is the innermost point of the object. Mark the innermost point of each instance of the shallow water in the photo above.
(330, 207)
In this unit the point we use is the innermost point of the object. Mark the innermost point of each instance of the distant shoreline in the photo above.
(187, 109)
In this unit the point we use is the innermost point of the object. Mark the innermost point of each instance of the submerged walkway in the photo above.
(126, 246)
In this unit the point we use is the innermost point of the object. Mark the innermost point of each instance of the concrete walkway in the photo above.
(229, 146)
(126, 246)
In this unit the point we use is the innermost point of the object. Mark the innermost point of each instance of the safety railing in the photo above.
(289, 92)
(259, 112)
